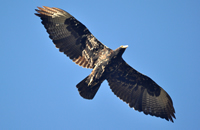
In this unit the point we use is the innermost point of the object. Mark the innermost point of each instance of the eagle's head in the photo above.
(120, 50)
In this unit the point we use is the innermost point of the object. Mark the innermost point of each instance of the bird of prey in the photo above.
(76, 41)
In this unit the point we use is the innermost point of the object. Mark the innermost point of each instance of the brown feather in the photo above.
(140, 92)
(70, 36)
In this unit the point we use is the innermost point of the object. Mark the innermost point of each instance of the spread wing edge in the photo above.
(70, 36)
(140, 92)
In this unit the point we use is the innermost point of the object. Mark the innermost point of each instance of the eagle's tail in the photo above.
(88, 91)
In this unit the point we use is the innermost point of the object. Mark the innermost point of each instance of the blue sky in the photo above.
(37, 82)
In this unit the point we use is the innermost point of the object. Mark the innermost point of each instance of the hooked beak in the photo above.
(124, 46)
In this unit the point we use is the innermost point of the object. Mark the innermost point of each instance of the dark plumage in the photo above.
(76, 41)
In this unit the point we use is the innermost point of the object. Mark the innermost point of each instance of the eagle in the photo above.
(77, 42)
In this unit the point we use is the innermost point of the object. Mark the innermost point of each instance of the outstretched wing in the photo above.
(70, 36)
(139, 91)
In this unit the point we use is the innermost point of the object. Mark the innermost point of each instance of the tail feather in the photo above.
(88, 91)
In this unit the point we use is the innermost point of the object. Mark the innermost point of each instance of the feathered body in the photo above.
(77, 42)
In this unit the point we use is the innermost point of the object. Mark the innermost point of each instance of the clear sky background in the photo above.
(37, 82)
